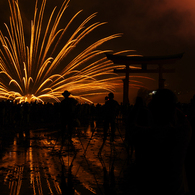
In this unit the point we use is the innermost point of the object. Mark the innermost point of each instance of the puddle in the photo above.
(34, 164)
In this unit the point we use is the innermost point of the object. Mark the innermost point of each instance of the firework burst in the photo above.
(38, 72)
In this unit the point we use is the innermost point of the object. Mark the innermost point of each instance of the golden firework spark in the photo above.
(29, 73)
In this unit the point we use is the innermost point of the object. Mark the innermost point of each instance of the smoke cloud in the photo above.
(152, 27)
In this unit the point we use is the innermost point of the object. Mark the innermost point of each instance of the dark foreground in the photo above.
(33, 164)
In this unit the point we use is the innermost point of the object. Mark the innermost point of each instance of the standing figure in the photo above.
(161, 147)
(111, 110)
(67, 111)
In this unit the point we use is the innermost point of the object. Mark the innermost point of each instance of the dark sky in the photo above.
(151, 27)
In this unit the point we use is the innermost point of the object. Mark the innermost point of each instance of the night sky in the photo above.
(151, 27)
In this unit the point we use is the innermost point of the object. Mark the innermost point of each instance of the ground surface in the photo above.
(34, 165)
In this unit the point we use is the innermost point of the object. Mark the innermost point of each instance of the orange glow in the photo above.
(35, 72)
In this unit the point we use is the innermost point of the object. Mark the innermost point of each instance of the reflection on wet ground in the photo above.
(37, 164)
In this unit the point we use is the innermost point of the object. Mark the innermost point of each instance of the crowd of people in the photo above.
(161, 136)
(160, 132)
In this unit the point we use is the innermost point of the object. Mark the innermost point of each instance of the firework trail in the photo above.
(38, 72)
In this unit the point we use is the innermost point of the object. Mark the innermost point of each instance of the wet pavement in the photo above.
(37, 164)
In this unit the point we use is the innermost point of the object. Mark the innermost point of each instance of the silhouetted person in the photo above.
(111, 110)
(190, 161)
(161, 149)
(106, 99)
(67, 110)
(139, 116)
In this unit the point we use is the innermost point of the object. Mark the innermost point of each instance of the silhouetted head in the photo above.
(193, 100)
(111, 96)
(163, 105)
(66, 93)
(139, 101)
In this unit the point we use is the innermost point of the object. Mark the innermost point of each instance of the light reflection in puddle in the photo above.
(38, 158)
